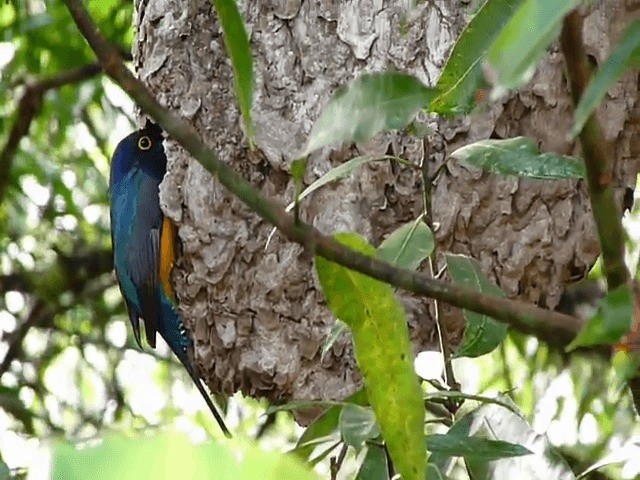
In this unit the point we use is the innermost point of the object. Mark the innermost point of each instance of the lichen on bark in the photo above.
(258, 316)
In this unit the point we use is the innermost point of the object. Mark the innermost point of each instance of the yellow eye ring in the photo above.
(144, 143)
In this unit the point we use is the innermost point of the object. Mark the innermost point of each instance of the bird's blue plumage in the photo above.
(137, 168)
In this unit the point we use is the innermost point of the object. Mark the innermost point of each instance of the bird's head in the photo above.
(141, 149)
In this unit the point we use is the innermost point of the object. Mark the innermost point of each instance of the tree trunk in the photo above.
(258, 316)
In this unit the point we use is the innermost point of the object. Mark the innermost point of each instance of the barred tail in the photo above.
(177, 337)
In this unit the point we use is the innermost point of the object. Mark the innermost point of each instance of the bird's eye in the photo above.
(144, 143)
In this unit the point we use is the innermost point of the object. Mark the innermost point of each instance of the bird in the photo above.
(144, 245)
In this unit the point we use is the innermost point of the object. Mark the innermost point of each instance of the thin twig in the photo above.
(445, 344)
(552, 327)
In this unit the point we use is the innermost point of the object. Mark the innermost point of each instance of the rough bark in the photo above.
(258, 315)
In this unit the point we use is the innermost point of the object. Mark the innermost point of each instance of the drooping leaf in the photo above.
(374, 466)
(407, 246)
(519, 156)
(357, 425)
(610, 323)
(473, 447)
(482, 333)
(237, 42)
(302, 405)
(383, 352)
(373, 103)
(298, 168)
(626, 56)
(323, 454)
(341, 171)
(493, 422)
(462, 75)
(337, 173)
(336, 332)
(524, 40)
(324, 426)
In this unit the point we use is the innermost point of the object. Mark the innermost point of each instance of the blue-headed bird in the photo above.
(144, 247)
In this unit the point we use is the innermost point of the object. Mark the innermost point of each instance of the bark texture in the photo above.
(258, 316)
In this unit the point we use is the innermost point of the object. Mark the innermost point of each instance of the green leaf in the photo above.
(239, 50)
(473, 447)
(516, 52)
(323, 454)
(298, 168)
(374, 465)
(496, 423)
(357, 425)
(326, 424)
(168, 456)
(462, 75)
(519, 156)
(336, 332)
(383, 352)
(626, 56)
(341, 171)
(610, 323)
(5, 473)
(625, 366)
(302, 405)
(408, 246)
(373, 103)
(482, 333)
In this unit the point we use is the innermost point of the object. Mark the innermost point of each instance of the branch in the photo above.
(28, 107)
(30, 104)
(38, 314)
(552, 327)
(68, 274)
(598, 155)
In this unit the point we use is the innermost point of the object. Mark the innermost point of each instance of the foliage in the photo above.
(237, 42)
(384, 355)
(519, 156)
(67, 366)
(483, 334)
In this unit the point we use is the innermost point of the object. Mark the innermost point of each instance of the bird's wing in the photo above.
(143, 254)
(122, 203)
